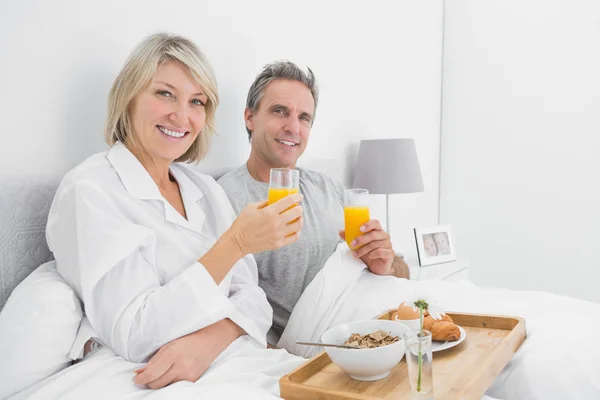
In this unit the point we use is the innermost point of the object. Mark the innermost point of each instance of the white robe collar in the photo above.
(139, 184)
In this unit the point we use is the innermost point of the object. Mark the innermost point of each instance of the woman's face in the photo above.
(168, 115)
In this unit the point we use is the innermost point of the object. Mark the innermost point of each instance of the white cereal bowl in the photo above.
(366, 364)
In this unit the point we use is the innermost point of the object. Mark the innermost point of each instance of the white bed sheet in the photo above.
(253, 373)
(558, 360)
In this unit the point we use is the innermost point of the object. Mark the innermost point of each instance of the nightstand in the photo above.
(453, 271)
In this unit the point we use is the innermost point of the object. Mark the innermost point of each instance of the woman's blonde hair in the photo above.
(139, 71)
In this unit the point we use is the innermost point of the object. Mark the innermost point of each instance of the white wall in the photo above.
(520, 140)
(379, 68)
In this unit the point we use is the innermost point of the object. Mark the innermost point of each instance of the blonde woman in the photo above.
(150, 245)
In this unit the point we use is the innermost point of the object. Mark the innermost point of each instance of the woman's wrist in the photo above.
(219, 260)
(224, 332)
(239, 242)
(235, 331)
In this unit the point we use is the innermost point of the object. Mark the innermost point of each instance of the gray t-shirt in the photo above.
(285, 273)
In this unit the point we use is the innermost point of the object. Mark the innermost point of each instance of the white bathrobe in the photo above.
(132, 258)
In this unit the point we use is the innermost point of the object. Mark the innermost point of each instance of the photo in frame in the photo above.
(434, 245)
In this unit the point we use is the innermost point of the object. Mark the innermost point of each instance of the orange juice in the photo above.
(276, 194)
(354, 218)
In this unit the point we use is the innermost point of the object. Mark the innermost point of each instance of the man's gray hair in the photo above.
(280, 70)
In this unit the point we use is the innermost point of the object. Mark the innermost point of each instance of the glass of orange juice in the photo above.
(356, 213)
(282, 182)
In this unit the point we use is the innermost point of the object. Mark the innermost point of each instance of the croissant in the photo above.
(441, 329)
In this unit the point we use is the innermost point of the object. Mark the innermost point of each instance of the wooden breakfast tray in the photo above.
(463, 372)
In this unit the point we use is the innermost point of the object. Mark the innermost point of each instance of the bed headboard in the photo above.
(24, 206)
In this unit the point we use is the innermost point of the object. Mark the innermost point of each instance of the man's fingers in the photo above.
(342, 235)
(370, 237)
(166, 379)
(366, 249)
(372, 225)
(384, 254)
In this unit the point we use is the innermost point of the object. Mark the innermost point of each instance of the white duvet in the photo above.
(558, 360)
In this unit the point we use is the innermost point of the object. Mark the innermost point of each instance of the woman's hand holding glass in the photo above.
(276, 222)
(262, 227)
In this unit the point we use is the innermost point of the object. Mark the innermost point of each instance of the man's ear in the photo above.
(249, 119)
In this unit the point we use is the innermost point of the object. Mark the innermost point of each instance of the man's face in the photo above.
(281, 125)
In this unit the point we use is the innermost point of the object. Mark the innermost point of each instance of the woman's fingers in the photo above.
(289, 239)
(167, 378)
(153, 371)
(293, 227)
(291, 214)
(288, 201)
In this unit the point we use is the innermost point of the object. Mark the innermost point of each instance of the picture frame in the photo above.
(435, 245)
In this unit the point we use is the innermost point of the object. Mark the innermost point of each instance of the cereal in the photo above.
(369, 341)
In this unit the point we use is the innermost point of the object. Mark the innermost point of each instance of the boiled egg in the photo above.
(406, 312)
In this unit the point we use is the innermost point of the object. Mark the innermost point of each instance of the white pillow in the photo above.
(38, 325)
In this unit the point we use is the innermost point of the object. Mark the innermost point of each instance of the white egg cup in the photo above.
(412, 324)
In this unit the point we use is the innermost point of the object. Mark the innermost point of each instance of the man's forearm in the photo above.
(400, 269)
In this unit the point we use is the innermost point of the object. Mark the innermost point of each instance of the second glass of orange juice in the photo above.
(282, 182)
(356, 213)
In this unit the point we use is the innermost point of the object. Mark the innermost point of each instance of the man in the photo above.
(280, 110)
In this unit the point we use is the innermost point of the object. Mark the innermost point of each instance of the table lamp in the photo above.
(388, 166)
